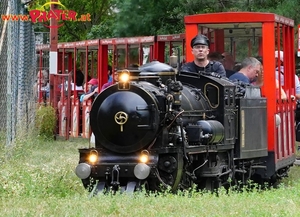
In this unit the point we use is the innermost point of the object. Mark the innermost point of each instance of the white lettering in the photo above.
(105, 41)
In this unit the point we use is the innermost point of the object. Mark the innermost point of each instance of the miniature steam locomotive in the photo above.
(159, 129)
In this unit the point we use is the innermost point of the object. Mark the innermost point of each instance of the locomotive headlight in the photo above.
(93, 157)
(124, 77)
(144, 157)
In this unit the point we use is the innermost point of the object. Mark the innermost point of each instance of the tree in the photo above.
(100, 11)
(147, 18)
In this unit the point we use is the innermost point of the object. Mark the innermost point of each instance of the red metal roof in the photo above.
(175, 37)
(240, 17)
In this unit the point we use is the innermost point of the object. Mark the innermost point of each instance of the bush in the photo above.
(45, 122)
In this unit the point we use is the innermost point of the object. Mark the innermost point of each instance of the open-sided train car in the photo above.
(92, 57)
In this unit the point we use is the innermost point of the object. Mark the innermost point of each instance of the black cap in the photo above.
(200, 39)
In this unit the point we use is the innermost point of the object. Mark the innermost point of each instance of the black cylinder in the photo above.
(214, 128)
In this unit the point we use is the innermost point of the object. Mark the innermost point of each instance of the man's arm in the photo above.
(221, 70)
(89, 95)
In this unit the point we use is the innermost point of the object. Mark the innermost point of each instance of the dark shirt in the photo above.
(212, 66)
(238, 76)
(229, 72)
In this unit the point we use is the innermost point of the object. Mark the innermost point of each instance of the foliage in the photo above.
(207, 6)
(136, 18)
(102, 30)
(100, 11)
(45, 122)
(289, 8)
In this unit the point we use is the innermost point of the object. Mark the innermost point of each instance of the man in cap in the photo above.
(280, 71)
(200, 50)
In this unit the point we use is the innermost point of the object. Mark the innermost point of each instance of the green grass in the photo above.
(37, 179)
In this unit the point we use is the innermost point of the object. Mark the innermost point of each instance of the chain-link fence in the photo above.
(17, 72)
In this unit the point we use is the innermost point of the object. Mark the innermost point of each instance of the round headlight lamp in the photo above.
(144, 157)
(124, 77)
(93, 156)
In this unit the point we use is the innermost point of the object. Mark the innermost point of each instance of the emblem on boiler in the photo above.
(121, 118)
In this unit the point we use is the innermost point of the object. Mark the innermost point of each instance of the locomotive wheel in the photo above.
(169, 172)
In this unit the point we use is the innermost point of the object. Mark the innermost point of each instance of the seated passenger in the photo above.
(236, 68)
(280, 71)
(215, 56)
(200, 50)
(92, 90)
(250, 68)
(279, 89)
(109, 73)
(42, 86)
(79, 80)
(115, 78)
(260, 80)
(228, 63)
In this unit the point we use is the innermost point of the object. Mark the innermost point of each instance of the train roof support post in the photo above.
(53, 54)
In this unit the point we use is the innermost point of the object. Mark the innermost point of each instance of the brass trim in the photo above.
(121, 118)
(218, 95)
(242, 128)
